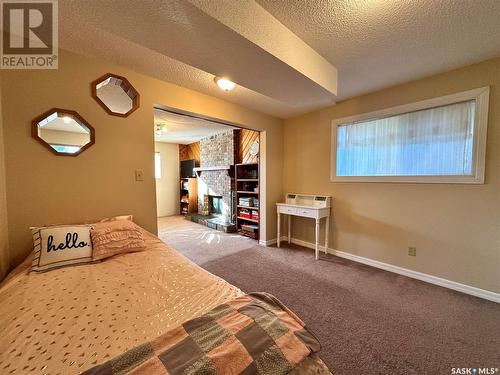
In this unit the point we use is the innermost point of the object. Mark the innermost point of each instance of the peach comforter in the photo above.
(70, 319)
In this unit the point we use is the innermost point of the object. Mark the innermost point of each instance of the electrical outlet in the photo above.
(139, 175)
(412, 251)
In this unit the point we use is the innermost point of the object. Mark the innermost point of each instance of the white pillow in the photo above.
(61, 245)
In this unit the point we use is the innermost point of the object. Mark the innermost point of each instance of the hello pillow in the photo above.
(60, 246)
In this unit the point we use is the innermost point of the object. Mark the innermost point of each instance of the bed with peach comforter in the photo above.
(71, 319)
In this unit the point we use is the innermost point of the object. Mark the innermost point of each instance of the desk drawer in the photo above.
(288, 210)
(306, 212)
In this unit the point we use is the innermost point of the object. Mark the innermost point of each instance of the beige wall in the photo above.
(456, 228)
(168, 186)
(4, 248)
(44, 188)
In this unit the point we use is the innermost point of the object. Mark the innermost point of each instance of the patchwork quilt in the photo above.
(252, 334)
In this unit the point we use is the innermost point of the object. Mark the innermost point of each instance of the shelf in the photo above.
(188, 197)
(254, 237)
(250, 220)
(247, 178)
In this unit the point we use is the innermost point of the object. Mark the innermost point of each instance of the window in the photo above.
(157, 165)
(437, 140)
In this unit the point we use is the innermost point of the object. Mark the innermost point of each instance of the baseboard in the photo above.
(467, 289)
(267, 243)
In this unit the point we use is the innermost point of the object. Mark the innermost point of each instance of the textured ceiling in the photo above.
(177, 41)
(372, 43)
(379, 43)
(183, 129)
(99, 44)
(254, 23)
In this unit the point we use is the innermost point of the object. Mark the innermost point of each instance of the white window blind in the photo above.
(439, 141)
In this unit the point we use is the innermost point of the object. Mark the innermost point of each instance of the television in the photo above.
(187, 168)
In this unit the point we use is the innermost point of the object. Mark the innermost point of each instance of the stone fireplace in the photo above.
(212, 205)
(215, 205)
(215, 181)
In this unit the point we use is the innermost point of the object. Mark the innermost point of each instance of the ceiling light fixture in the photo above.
(160, 129)
(225, 84)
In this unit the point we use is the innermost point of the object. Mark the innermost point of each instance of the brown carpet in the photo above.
(369, 321)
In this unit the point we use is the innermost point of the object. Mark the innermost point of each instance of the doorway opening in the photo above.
(208, 172)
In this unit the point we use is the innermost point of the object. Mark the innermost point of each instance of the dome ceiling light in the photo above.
(224, 84)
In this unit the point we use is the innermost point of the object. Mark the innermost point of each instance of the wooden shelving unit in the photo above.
(250, 208)
(247, 188)
(188, 196)
(249, 220)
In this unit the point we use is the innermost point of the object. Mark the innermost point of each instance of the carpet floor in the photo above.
(368, 321)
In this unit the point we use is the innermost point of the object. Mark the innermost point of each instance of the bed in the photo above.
(71, 319)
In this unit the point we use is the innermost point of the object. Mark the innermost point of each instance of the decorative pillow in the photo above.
(116, 237)
(61, 245)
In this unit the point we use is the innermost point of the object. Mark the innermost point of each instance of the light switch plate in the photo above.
(139, 175)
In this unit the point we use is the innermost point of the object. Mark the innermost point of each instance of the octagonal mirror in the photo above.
(63, 132)
(115, 94)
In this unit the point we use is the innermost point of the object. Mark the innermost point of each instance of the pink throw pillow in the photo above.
(116, 237)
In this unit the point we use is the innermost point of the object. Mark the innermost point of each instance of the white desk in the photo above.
(311, 206)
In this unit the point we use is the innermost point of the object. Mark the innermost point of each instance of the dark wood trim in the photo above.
(74, 114)
(126, 86)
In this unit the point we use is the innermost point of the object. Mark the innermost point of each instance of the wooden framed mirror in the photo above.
(63, 132)
(115, 94)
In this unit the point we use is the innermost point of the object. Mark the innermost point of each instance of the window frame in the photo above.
(158, 155)
(480, 95)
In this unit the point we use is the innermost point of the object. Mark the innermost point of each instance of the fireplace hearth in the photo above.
(214, 222)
